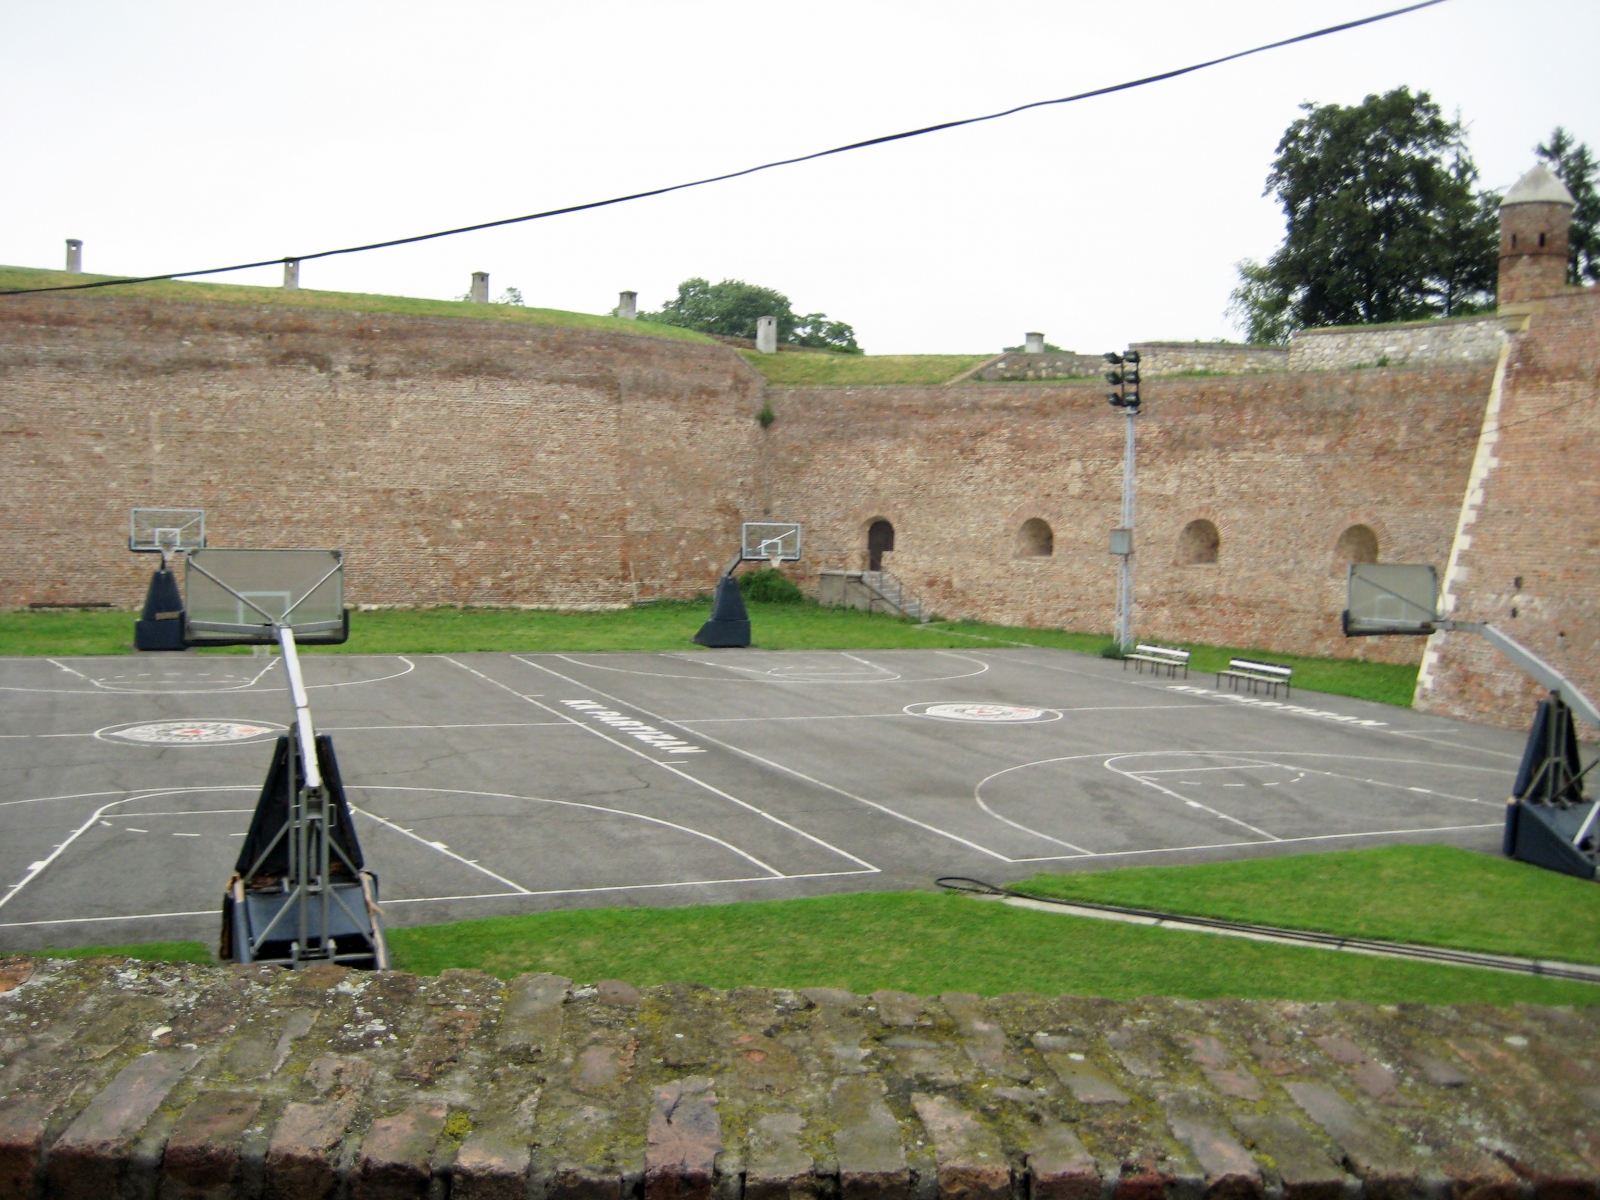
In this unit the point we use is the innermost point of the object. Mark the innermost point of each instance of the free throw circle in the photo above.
(190, 733)
(983, 713)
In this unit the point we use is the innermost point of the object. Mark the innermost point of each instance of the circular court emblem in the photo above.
(190, 733)
(991, 714)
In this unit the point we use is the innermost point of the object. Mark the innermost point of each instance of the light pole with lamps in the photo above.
(1124, 376)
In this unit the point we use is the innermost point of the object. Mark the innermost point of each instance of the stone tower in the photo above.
(1534, 218)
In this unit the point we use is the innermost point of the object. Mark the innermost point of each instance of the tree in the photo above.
(1384, 221)
(731, 308)
(1573, 164)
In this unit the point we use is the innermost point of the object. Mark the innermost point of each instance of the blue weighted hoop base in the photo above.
(730, 623)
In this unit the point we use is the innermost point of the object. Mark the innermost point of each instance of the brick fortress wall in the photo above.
(1527, 554)
(1280, 463)
(455, 461)
(486, 462)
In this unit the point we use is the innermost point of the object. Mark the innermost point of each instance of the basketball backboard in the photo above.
(770, 541)
(243, 596)
(1391, 598)
(166, 531)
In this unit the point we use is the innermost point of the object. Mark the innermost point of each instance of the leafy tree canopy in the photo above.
(1572, 163)
(731, 308)
(1384, 222)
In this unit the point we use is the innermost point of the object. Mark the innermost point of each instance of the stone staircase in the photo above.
(895, 595)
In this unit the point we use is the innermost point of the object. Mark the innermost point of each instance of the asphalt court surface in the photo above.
(486, 784)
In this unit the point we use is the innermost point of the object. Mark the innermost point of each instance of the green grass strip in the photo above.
(927, 944)
(860, 370)
(1432, 895)
(190, 292)
(668, 626)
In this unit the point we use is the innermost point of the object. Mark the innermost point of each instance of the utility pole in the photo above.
(1124, 376)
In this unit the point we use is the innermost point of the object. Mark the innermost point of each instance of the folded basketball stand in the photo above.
(1549, 820)
(163, 531)
(301, 892)
(773, 542)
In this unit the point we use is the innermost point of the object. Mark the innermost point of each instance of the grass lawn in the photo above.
(668, 626)
(926, 943)
(1434, 895)
(842, 370)
(190, 292)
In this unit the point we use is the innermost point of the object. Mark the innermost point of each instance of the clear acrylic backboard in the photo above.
(1385, 598)
(233, 596)
(166, 530)
(771, 541)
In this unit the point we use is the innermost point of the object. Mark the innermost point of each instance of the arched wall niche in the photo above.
(1035, 539)
(1357, 544)
(1199, 543)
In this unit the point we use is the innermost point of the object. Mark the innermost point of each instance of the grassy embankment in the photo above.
(668, 626)
(927, 943)
(185, 291)
(860, 370)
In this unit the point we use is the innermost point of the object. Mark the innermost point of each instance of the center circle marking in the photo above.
(983, 713)
(190, 733)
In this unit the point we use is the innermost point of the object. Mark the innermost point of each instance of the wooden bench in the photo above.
(1169, 657)
(1269, 675)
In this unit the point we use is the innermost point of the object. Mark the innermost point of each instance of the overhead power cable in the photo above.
(782, 162)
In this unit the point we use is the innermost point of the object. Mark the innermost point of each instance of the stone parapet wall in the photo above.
(1156, 359)
(182, 1082)
(1413, 343)
(1018, 366)
(1208, 358)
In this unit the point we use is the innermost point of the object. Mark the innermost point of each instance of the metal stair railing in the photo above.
(895, 594)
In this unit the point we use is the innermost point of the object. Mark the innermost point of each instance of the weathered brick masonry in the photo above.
(481, 461)
(1527, 553)
(455, 461)
(1280, 463)
(179, 1082)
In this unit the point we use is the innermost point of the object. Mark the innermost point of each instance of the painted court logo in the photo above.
(992, 714)
(648, 734)
(190, 733)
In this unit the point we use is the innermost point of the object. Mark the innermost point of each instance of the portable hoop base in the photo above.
(301, 892)
(729, 625)
(1549, 821)
(160, 625)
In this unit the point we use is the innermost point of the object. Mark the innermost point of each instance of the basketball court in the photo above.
(485, 784)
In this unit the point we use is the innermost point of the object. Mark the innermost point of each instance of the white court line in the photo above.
(100, 689)
(193, 812)
(864, 716)
(665, 766)
(39, 867)
(209, 912)
(621, 887)
(620, 812)
(1287, 841)
(634, 887)
(1162, 788)
(1151, 683)
(437, 848)
(983, 666)
(473, 725)
(776, 766)
(1382, 783)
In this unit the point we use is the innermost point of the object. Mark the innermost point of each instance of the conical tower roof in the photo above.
(1538, 186)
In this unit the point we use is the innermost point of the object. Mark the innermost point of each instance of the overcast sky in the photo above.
(172, 136)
